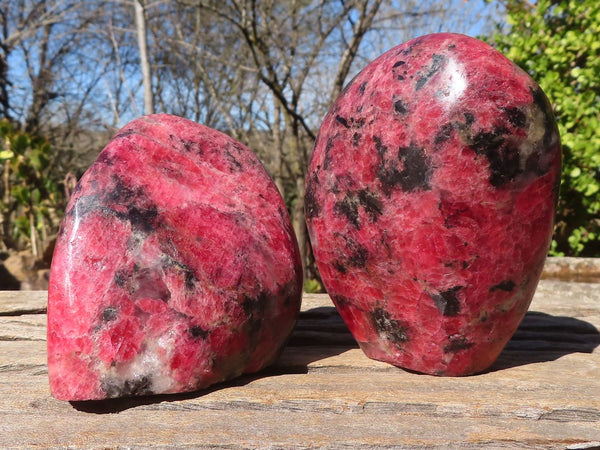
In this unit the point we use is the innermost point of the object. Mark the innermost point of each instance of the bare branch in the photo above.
(361, 27)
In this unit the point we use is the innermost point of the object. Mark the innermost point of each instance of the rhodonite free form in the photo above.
(176, 266)
(430, 201)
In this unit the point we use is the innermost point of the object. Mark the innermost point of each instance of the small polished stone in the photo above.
(430, 200)
(176, 266)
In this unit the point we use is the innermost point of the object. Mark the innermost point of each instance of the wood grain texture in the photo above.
(15, 303)
(543, 392)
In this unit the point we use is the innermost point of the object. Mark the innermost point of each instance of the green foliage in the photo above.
(312, 286)
(32, 199)
(556, 42)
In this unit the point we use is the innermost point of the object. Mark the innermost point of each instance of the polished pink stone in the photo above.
(430, 201)
(176, 266)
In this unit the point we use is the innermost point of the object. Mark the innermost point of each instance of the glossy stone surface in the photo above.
(176, 266)
(430, 201)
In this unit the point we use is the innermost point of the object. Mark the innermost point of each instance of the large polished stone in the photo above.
(176, 266)
(430, 201)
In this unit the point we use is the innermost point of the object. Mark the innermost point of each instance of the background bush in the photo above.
(32, 193)
(557, 43)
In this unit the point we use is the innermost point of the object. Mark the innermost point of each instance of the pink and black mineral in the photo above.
(176, 267)
(430, 202)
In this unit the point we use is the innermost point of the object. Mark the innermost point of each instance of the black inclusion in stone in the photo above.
(391, 329)
(358, 123)
(104, 158)
(550, 132)
(436, 64)
(111, 388)
(540, 160)
(348, 207)
(389, 177)
(253, 305)
(121, 193)
(504, 166)
(189, 277)
(355, 254)
(235, 165)
(447, 301)
(110, 314)
(486, 142)
(311, 205)
(138, 386)
(369, 201)
(362, 88)
(342, 121)
(254, 308)
(444, 133)
(339, 266)
(359, 256)
(198, 332)
(364, 198)
(381, 149)
(124, 134)
(516, 117)
(469, 118)
(400, 106)
(190, 280)
(398, 70)
(456, 344)
(327, 158)
(189, 146)
(416, 174)
(415, 43)
(506, 286)
(121, 277)
(141, 212)
(504, 159)
(142, 218)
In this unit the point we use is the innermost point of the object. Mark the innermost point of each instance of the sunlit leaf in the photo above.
(6, 154)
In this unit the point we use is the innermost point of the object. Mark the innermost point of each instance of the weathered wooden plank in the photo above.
(297, 410)
(543, 392)
(29, 327)
(259, 429)
(353, 380)
(14, 303)
(551, 296)
(572, 269)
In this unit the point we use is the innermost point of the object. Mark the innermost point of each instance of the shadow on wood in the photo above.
(321, 333)
(540, 337)
(543, 337)
(117, 405)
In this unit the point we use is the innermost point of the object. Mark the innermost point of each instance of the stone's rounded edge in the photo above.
(156, 271)
(521, 153)
(589, 445)
(575, 269)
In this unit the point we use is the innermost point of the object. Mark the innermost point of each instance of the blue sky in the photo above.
(471, 17)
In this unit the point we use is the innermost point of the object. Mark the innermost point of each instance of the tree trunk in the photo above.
(361, 27)
(41, 84)
(300, 223)
(278, 146)
(140, 24)
(4, 83)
